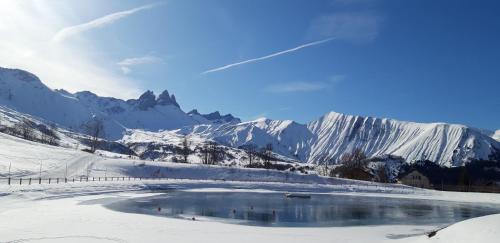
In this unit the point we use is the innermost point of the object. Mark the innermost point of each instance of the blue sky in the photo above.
(425, 61)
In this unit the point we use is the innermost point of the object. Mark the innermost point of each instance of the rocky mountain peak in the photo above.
(194, 112)
(146, 100)
(166, 99)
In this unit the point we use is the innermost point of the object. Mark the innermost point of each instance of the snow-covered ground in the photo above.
(74, 212)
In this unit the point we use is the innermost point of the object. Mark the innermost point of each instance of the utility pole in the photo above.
(40, 169)
(10, 164)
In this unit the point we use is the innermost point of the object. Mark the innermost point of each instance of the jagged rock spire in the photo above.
(146, 100)
(166, 99)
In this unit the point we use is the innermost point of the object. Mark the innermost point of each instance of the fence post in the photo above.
(49, 180)
(73, 179)
(8, 181)
(39, 180)
(57, 180)
(20, 181)
(29, 181)
(65, 179)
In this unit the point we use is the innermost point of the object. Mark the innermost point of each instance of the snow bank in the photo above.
(484, 229)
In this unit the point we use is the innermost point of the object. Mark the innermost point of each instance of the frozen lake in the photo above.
(274, 209)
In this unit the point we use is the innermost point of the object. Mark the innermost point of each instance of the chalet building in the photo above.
(416, 179)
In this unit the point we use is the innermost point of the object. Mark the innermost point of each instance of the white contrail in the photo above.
(64, 33)
(269, 56)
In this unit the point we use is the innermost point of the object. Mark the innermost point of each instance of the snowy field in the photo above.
(74, 212)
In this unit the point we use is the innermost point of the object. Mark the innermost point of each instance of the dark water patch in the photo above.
(274, 209)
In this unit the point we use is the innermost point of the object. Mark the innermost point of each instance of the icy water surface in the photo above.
(274, 209)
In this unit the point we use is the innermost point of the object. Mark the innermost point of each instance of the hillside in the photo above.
(328, 137)
(161, 119)
(24, 92)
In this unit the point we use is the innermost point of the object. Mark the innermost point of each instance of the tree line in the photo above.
(29, 130)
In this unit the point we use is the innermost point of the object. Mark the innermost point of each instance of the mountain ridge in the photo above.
(325, 138)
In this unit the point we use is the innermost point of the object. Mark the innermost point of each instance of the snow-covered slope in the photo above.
(287, 137)
(326, 138)
(167, 146)
(334, 134)
(448, 144)
(24, 92)
(496, 136)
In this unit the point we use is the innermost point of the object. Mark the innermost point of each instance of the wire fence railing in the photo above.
(342, 186)
(57, 180)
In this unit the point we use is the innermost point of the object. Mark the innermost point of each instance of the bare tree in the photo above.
(250, 150)
(323, 165)
(215, 153)
(381, 174)
(267, 154)
(353, 166)
(95, 129)
(48, 134)
(25, 130)
(206, 152)
(185, 150)
(355, 159)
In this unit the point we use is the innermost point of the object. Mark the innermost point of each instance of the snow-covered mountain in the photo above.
(24, 92)
(288, 137)
(448, 144)
(214, 117)
(334, 134)
(326, 138)
(167, 146)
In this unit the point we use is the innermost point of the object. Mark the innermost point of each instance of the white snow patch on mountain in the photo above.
(496, 136)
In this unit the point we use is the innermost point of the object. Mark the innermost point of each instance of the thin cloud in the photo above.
(70, 66)
(63, 34)
(336, 78)
(126, 63)
(139, 60)
(358, 27)
(292, 87)
(269, 56)
(295, 87)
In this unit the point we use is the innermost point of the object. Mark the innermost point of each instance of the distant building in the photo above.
(416, 179)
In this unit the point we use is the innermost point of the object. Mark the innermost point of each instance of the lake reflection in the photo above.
(273, 209)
